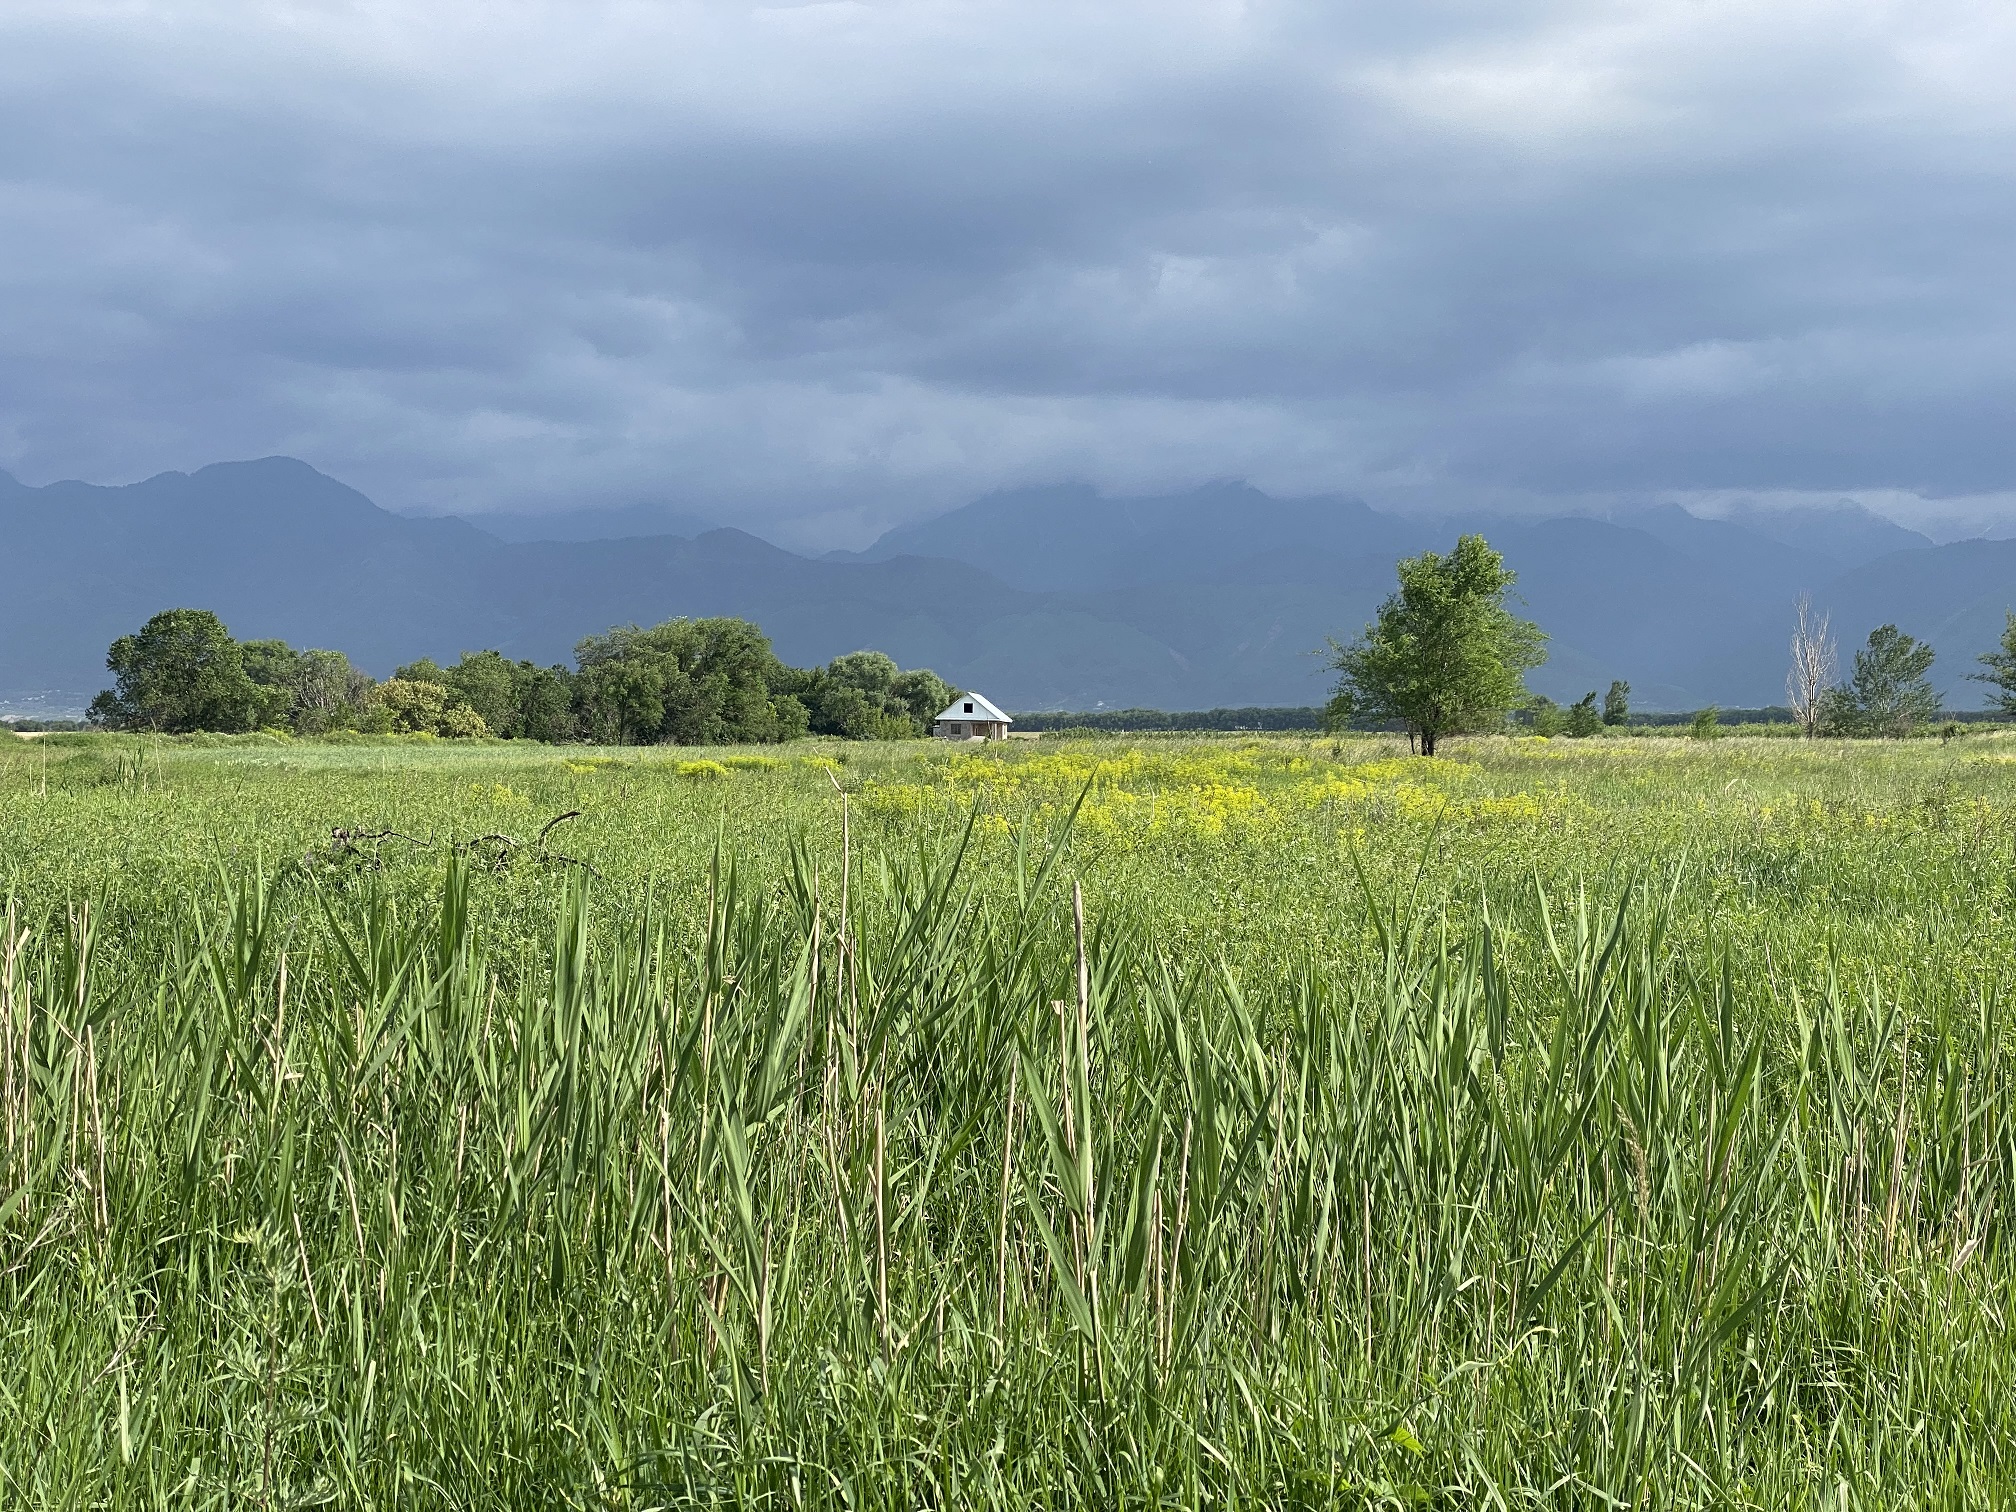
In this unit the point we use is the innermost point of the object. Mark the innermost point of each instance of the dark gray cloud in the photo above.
(819, 268)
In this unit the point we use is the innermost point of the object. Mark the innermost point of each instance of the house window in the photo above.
(969, 708)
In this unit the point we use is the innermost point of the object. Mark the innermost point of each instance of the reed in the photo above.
(883, 1176)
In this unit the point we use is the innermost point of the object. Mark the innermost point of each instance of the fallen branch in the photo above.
(349, 844)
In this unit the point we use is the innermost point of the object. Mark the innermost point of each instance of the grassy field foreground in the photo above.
(1557, 1123)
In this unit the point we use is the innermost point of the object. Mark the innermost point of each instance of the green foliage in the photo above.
(685, 682)
(329, 694)
(1445, 655)
(1707, 724)
(400, 707)
(181, 672)
(1582, 720)
(1544, 716)
(866, 696)
(2001, 671)
(517, 700)
(1617, 704)
(1889, 693)
(274, 667)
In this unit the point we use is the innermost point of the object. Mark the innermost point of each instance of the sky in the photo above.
(819, 269)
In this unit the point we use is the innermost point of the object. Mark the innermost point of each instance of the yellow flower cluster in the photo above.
(1138, 796)
(499, 795)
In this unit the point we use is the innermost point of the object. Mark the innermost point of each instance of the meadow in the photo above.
(1233, 1123)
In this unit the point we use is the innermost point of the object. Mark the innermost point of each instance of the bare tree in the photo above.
(1813, 666)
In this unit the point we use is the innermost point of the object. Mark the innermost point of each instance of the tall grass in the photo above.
(877, 1187)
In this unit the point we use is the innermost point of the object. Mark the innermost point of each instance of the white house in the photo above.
(971, 717)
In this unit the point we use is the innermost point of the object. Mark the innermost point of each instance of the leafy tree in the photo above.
(865, 696)
(1444, 655)
(2001, 673)
(1889, 692)
(685, 682)
(182, 672)
(272, 666)
(329, 693)
(518, 700)
(1707, 723)
(1617, 704)
(1545, 716)
(1582, 719)
(424, 708)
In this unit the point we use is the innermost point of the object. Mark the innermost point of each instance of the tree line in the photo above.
(1445, 656)
(683, 682)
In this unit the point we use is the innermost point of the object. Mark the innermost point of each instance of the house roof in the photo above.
(973, 706)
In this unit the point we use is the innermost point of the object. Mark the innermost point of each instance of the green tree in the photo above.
(1617, 704)
(1444, 655)
(272, 665)
(1582, 718)
(1889, 693)
(1544, 716)
(2001, 673)
(518, 700)
(1707, 723)
(182, 672)
(865, 696)
(424, 708)
(328, 693)
(685, 682)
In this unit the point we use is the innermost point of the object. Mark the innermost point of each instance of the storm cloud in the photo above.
(818, 269)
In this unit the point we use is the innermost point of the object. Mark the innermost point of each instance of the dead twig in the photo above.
(553, 855)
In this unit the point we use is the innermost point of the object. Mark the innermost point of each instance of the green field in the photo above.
(1598, 1123)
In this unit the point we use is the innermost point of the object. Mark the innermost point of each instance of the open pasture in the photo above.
(1611, 1122)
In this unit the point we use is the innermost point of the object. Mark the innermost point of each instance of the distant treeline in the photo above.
(684, 682)
(1779, 714)
(1151, 721)
(1773, 714)
(1290, 718)
(1128, 721)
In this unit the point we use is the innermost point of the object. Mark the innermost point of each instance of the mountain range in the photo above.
(1042, 598)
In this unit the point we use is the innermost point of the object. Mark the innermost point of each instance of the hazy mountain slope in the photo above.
(276, 548)
(1845, 533)
(273, 545)
(1221, 596)
(921, 612)
(1072, 538)
(612, 522)
(1955, 596)
(1618, 603)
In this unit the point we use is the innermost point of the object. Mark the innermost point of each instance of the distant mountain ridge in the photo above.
(1044, 598)
(595, 522)
(1070, 537)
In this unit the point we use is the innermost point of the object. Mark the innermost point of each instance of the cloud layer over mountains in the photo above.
(819, 269)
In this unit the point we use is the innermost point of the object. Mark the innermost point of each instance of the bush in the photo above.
(403, 707)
